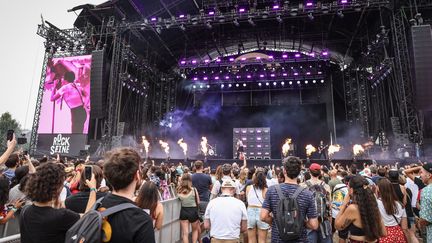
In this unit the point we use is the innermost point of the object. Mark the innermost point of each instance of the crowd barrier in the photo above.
(169, 233)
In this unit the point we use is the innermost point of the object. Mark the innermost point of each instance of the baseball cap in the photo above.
(428, 167)
(315, 166)
(228, 183)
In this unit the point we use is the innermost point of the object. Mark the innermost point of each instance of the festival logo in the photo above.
(60, 145)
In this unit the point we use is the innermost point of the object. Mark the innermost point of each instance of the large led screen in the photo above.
(65, 105)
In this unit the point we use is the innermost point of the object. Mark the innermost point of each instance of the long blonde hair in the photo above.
(243, 176)
(185, 185)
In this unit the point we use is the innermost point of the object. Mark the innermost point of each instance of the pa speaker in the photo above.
(422, 50)
(98, 85)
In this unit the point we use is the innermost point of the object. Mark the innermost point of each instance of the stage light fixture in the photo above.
(237, 85)
(194, 61)
(153, 19)
(314, 81)
(297, 55)
(182, 27)
(236, 22)
(325, 9)
(249, 76)
(260, 84)
(181, 16)
(201, 86)
(274, 83)
(290, 82)
(194, 86)
(251, 22)
(230, 85)
(216, 78)
(242, 10)
(298, 82)
(279, 18)
(195, 79)
(272, 75)
(284, 56)
(267, 84)
(285, 74)
(222, 86)
(205, 78)
(282, 83)
(309, 4)
(344, 1)
(294, 12)
(306, 82)
(275, 7)
(208, 25)
(244, 85)
(261, 75)
(310, 16)
(340, 14)
(226, 77)
(322, 81)
(211, 13)
(208, 86)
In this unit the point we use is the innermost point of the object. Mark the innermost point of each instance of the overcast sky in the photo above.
(22, 51)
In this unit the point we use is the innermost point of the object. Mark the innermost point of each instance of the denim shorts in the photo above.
(254, 221)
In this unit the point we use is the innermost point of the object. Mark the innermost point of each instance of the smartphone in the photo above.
(10, 134)
(88, 171)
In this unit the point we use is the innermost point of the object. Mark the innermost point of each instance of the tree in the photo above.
(8, 123)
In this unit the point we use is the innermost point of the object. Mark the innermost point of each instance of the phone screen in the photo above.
(88, 172)
(10, 135)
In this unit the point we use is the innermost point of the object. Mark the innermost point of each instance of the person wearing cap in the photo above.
(226, 216)
(324, 233)
(425, 220)
(226, 175)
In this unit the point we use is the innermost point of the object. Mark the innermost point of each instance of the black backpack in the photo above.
(289, 219)
(320, 195)
(89, 228)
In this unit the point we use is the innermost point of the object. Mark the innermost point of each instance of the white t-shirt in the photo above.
(338, 196)
(389, 220)
(272, 182)
(225, 215)
(217, 185)
(414, 189)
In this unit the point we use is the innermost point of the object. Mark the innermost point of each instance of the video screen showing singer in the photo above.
(73, 95)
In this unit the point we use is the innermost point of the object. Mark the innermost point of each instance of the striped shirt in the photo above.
(305, 201)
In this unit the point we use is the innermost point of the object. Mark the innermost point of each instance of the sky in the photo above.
(22, 51)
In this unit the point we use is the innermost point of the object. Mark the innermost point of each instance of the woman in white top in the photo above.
(255, 195)
(392, 213)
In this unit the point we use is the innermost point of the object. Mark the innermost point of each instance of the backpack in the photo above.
(289, 219)
(90, 228)
(321, 195)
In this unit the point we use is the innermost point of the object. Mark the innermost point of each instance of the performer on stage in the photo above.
(73, 95)
(322, 150)
(240, 149)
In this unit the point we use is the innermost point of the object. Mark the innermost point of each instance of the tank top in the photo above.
(252, 198)
(188, 201)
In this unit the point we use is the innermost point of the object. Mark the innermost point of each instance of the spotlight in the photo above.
(208, 86)
(314, 81)
(294, 12)
(194, 86)
(325, 9)
(310, 16)
(201, 86)
(290, 82)
(182, 27)
(237, 85)
(251, 22)
(298, 82)
(227, 77)
(322, 81)
(230, 85)
(274, 83)
(282, 83)
(236, 22)
(242, 10)
(267, 84)
(306, 82)
(222, 86)
(244, 85)
(260, 84)
(340, 14)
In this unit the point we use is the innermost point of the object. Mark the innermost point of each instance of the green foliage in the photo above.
(7, 123)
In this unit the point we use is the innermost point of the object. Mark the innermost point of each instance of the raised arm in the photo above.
(10, 148)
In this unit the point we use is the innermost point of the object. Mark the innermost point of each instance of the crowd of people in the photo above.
(56, 200)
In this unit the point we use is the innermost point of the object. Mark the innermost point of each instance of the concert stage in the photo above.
(214, 163)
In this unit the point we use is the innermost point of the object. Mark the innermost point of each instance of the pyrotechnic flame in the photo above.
(146, 144)
(183, 145)
(310, 149)
(333, 149)
(204, 148)
(286, 147)
(165, 146)
(357, 149)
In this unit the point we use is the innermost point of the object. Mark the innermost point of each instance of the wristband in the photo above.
(14, 209)
(93, 189)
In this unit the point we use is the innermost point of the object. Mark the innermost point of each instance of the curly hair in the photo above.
(46, 184)
(4, 191)
(259, 180)
(368, 207)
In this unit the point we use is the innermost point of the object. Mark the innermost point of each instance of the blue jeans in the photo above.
(316, 236)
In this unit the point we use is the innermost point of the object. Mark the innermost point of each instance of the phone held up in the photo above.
(10, 134)
(88, 171)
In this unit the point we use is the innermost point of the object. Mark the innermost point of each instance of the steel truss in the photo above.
(404, 79)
